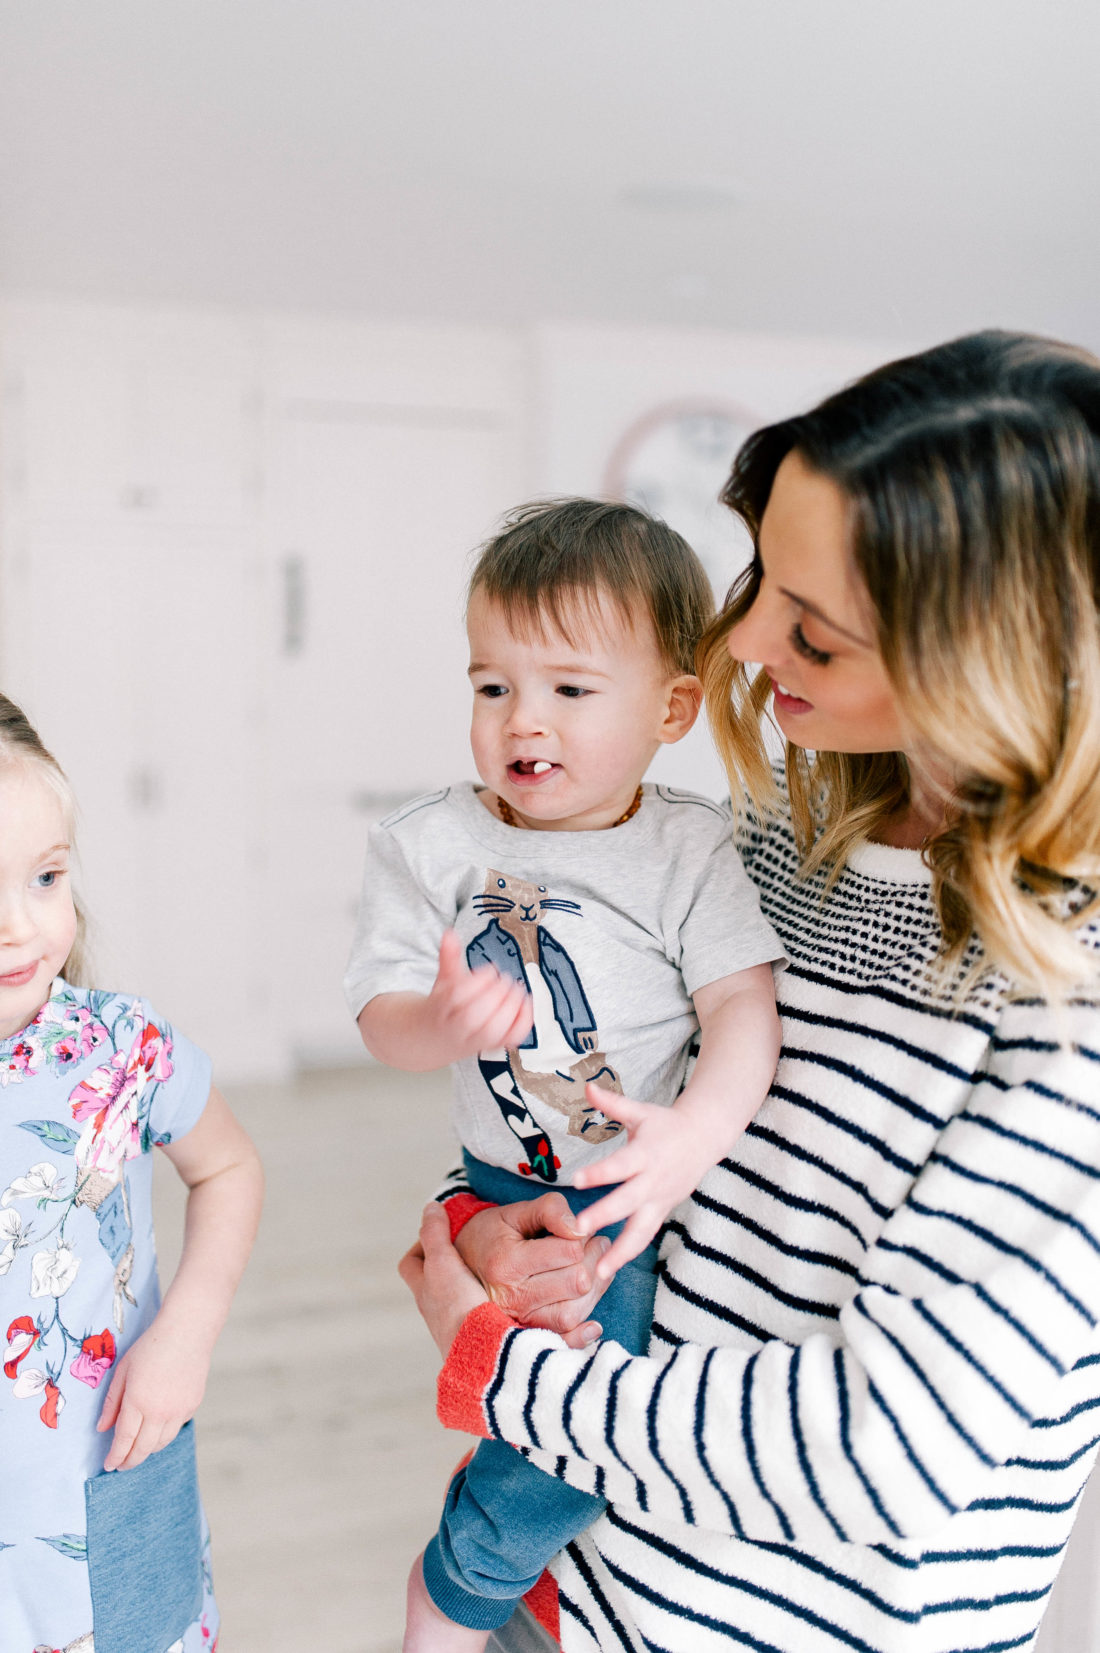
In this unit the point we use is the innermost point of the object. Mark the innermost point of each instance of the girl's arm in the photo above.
(160, 1380)
(980, 1293)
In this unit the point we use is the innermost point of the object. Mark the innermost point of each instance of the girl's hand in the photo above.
(443, 1286)
(660, 1165)
(157, 1386)
(475, 1010)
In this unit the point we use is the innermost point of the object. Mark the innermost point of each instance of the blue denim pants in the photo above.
(504, 1518)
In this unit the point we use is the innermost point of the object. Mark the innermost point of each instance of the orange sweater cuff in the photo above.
(469, 1370)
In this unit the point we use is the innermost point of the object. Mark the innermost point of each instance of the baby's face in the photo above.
(563, 730)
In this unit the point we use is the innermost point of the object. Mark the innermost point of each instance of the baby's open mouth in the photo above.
(531, 767)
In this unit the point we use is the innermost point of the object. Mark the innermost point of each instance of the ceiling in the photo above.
(895, 168)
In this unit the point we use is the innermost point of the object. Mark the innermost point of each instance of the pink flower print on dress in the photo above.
(96, 1357)
(23, 1062)
(107, 1102)
(51, 1406)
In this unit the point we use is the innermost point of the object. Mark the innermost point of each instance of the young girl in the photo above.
(98, 1375)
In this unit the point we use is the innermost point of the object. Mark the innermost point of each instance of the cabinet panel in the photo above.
(131, 415)
(136, 665)
(372, 702)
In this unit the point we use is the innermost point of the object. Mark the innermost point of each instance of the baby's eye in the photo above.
(572, 690)
(491, 691)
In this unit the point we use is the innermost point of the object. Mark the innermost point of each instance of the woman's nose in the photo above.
(757, 637)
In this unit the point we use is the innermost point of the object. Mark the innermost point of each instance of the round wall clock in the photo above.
(673, 462)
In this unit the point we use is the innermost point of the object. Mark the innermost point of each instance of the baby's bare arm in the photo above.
(466, 1011)
(669, 1149)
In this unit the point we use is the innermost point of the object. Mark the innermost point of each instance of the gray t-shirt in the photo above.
(611, 931)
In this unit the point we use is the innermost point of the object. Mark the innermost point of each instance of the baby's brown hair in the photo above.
(555, 558)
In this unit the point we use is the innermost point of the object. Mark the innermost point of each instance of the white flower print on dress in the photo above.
(13, 1235)
(53, 1272)
(40, 1181)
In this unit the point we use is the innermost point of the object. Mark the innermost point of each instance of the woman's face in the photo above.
(811, 626)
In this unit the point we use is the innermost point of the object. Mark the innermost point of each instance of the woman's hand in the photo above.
(446, 1290)
(443, 1286)
(536, 1265)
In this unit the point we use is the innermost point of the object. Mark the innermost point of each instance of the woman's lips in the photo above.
(19, 978)
(787, 702)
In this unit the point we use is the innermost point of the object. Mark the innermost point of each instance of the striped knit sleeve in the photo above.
(981, 1292)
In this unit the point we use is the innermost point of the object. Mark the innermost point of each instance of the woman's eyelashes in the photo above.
(805, 648)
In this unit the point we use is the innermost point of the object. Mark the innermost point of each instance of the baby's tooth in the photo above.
(541, 767)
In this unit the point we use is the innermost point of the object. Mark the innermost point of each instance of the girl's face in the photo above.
(811, 625)
(37, 917)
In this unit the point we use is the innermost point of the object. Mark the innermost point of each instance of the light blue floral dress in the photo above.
(86, 1091)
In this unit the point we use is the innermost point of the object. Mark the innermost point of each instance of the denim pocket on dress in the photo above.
(145, 1550)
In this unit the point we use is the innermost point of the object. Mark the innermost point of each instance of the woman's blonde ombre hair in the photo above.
(20, 743)
(973, 473)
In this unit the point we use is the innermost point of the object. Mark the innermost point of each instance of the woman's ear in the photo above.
(685, 697)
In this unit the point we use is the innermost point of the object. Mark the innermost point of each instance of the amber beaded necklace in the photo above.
(505, 811)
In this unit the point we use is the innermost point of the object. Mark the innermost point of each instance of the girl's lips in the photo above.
(789, 702)
(19, 978)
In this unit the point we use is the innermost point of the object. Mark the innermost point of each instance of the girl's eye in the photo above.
(805, 648)
(492, 691)
(46, 880)
(572, 691)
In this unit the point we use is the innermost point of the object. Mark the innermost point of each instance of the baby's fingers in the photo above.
(633, 1240)
(511, 1013)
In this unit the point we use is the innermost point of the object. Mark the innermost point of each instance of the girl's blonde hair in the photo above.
(973, 476)
(20, 743)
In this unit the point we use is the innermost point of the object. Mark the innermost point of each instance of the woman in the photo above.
(870, 1403)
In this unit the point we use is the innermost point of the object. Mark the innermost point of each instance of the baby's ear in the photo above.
(685, 697)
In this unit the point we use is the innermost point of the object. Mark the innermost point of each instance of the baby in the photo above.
(567, 937)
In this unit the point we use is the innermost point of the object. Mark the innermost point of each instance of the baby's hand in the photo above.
(157, 1386)
(660, 1165)
(475, 1010)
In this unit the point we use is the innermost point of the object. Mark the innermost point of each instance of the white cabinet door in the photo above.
(371, 703)
(131, 415)
(135, 665)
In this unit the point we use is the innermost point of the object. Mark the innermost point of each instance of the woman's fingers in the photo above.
(435, 1235)
(551, 1211)
(411, 1266)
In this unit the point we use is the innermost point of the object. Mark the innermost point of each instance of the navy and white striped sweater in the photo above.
(872, 1396)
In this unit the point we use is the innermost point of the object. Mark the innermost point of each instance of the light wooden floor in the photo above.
(322, 1463)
